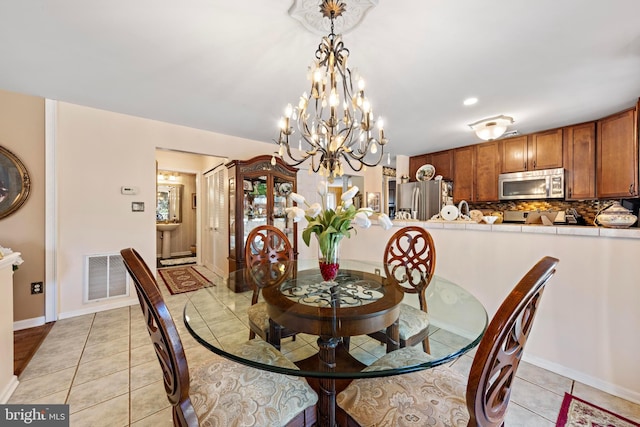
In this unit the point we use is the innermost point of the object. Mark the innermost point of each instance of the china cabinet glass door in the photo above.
(281, 190)
(255, 203)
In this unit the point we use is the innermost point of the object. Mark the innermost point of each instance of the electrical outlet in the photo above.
(36, 288)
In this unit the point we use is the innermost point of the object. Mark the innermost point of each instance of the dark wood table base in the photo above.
(332, 352)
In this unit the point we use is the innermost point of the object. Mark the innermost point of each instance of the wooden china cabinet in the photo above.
(258, 194)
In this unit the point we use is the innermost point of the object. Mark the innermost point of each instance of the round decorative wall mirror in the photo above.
(15, 184)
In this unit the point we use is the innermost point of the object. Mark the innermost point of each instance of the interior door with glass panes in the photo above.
(282, 187)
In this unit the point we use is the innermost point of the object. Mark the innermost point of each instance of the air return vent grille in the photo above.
(106, 277)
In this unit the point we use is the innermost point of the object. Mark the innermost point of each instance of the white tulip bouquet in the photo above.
(330, 225)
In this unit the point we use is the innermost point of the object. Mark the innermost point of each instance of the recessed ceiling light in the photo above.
(470, 101)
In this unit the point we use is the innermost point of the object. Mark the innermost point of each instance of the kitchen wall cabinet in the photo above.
(542, 150)
(464, 164)
(545, 150)
(414, 164)
(514, 154)
(486, 172)
(441, 160)
(617, 155)
(580, 161)
(258, 194)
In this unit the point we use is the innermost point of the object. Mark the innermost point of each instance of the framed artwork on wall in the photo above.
(373, 201)
(15, 184)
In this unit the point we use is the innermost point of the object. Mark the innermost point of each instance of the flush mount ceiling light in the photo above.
(335, 119)
(491, 128)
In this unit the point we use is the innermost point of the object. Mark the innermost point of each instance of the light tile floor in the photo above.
(104, 367)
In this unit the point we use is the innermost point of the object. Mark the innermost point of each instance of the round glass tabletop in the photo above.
(328, 324)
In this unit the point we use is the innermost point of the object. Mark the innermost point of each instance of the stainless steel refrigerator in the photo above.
(422, 199)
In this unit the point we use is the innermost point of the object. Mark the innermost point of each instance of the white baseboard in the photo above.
(28, 323)
(96, 309)
(607, 387)
(9, 388)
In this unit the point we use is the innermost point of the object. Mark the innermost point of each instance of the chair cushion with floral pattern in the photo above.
(225, 393)
(432, 397)
(412, 321)
(258, 316)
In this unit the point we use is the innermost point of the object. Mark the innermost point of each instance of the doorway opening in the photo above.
(184, 215)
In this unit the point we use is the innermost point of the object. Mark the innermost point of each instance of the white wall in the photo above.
(588, 323)
(97, 153)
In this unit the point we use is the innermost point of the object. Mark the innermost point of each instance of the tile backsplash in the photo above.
(587, 208)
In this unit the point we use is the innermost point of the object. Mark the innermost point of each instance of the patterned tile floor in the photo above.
(104, 367)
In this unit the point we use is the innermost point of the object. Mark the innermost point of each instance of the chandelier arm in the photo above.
(357, 168)
(346, 144)
(296, 161)
(368, 164)
(303, 128)
(359, 154)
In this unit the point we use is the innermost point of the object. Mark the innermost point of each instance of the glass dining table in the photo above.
(332, 322)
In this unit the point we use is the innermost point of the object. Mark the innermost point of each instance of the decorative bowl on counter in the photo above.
(490, 219)
(616, 216)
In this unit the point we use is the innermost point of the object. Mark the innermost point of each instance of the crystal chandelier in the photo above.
(335, 121)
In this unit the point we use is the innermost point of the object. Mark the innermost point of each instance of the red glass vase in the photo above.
(329, 256)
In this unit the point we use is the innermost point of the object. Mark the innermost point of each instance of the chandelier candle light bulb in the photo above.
(331, 226)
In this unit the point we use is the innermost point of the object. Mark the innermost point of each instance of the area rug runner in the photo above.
(576, 412)
(177, 261)
(183, 279)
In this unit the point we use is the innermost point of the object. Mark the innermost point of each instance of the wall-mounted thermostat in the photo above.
(129, 191)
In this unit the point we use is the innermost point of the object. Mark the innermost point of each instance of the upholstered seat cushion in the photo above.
(406, 356)
(225, 393)
(258, 316)
(433, 397)
(263, 352)
(412, 321)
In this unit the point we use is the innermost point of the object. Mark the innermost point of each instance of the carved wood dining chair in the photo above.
(438, 396)
(220, 391)
(410, 259)
(266, 248)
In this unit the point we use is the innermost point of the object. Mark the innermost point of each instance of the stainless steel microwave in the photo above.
(540, 184)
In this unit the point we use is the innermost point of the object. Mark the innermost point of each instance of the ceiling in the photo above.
(232, 66)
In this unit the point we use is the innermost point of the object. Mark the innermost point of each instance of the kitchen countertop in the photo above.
(567, 230)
